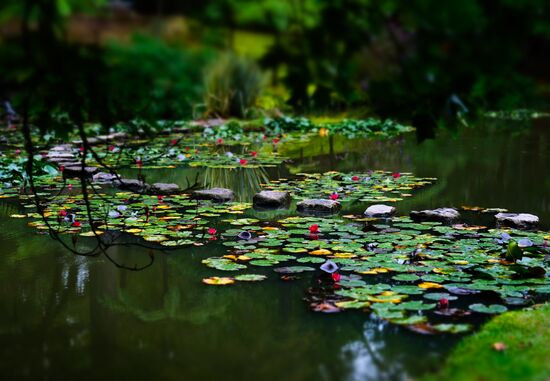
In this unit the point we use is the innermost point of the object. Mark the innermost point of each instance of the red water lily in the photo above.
(61, 168)
(254, 153)
(355, 178)
(335, 277)
(219, 141)
(139, 163)
(276, 140)
(17, 151)
(443, 303)
(160, 197)
(70, 186)
(314, 229)
(396, 175)
(81, 148)
(76, 224)
(243, 161)
(173, 142)
(111, 148)
(212, 231)
(334, 196)
(62, 213)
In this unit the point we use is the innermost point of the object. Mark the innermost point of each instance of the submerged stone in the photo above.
(379, 210)
(134, 185)
(103, 177)
(78, 171)
(439, 215)
(517, 220)
(318, 206)
(271, 199)
(164, 188)
(214, 194)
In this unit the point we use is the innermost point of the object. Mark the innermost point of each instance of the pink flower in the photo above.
(76, 224)
(61, 168)
(443, 303)
(276, 140)
(62, 213)
(160, 197)
(173, 142)
(334, 196)
(70, 186)
(335, 277)
(139, 162)
(396, 175)
(17, 151)
(243, 161)
(254, 153)
(212, 231)
(81, 148)
(355, 178)
(111, 148)
(314, 229)
(219, 141)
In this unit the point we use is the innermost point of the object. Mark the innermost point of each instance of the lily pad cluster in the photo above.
(372, 187)
(422, 275)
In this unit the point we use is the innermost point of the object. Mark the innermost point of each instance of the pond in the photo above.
(71, 316)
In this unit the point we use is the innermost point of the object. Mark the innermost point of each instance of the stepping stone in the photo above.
(439, 215)
(78, 171)
(164, 188)
(271, 199)
(318, 206)
(133, 185)
(103, 177)
(214, 194)
(517, 220)
(379, 210)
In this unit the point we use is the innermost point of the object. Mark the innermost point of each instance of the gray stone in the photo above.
(439, 214)
(271, 199)
(78, 171)
(379, 210)
(214, 194)
(136, 186)
(518, 220)
(164, 188)
(318, 206)
(103, 177)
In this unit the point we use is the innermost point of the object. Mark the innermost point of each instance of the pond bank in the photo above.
(526, 338)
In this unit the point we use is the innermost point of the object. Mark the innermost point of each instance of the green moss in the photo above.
(526, 335)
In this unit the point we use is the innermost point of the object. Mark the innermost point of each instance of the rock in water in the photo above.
(439, 215)
(517, 220)
(379, 210)
(133, 185)
(78, 171)
(214, 194)
(271, 199)
(164, 188)
(318, 206)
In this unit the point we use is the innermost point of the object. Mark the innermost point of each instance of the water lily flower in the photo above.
(545, 243)
(181, 157)
(243, 161)
(81, 148)
(17, 151)
(173, 142)
(160, 197)
(139, 163)
(329, 267)
(62, 213)
(323, 132)
(212, 231)
(525, 242)
(121, 208)
(219, 141)
(355, 178)
(111, 148)
(334, 196)
(76, 224)
(253, 153)
(396, 175)
(244, 235)
(70, 186)
(275, 140)
(61, 168)
(114, 214)
(314, 228)
(336, 277)
(229, 154)
(443, 303)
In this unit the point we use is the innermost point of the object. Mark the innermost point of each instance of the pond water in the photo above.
(66, 316)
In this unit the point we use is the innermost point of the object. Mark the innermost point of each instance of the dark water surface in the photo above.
(66, 317)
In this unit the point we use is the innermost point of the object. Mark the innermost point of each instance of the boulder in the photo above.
(379, 210)
(78, 171)
(136, 186)
(439, 214)
(214, 194)
(271, 199)
(164, 188)
(517, 220)
(318, 206)
(103, 177)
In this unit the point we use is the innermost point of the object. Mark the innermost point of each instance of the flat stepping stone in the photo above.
(318, 206)
(164, 188)
(379, 210)
(78, 171)
(103, 177)
(518, 220)
(438, 215)
(214, 194)
(134, 185)
(271, 199)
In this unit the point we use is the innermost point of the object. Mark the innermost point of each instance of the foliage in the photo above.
(233, 85)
